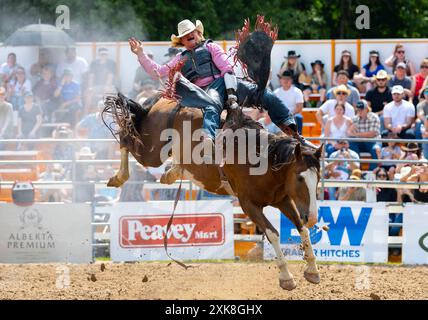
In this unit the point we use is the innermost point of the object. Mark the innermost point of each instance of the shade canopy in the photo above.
(39, 35)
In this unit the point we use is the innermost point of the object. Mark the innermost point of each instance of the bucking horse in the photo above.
(289, 182)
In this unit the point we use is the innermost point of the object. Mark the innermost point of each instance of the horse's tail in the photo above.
(124, 116)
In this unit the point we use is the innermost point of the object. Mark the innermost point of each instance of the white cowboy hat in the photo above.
(185, 27)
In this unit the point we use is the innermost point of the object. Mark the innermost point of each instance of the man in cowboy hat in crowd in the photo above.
(327, 110)
(380, 95)
(209, 80)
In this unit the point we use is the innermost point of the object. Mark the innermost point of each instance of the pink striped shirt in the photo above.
(218, 55)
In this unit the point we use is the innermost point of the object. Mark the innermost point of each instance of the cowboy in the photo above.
(209, 81)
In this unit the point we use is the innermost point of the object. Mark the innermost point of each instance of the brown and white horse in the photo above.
(289, 183)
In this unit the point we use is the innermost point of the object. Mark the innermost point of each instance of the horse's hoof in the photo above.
(287, 284)
(114, 182)
(312, 277)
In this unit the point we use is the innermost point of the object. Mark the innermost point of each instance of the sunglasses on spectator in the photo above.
(401, 51)
(381, 175)
(424, 67)
(381, 79)
(342, 93)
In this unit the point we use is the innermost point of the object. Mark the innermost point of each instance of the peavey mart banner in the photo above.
(356, 232)
(199, 230)
(415, 234)
(45, 232)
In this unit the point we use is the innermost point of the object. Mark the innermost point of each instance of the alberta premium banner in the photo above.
(45, 233)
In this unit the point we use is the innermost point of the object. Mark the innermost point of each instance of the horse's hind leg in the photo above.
(123, 174)
(171, 175)
(286, 280)
(311, 272)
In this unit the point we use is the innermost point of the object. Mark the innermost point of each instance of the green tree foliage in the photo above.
(113, 20)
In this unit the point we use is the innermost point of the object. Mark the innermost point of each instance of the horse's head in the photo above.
(307, 176)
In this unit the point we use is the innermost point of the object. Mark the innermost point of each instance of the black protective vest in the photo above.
(199, 63)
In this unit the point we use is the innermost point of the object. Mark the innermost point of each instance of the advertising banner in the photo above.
(199, 230)
(45, 233)
(346, 232)
(415, 234)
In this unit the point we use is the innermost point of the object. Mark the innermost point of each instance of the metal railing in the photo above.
(188, 185)
(69, 184)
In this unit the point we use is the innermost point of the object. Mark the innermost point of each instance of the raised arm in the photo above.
(389, 60)
(151, 67)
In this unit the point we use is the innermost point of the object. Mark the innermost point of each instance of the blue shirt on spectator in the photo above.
(369, 73)
(70, 91)
(95, 125)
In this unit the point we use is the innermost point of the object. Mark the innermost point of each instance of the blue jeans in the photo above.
(329, 148)
(212, 98)
(299, 122)
(17, 102)
(370, 147)
(425, 150)
(418, 133)
(404, 134)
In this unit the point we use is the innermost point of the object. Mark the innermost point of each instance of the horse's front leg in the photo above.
(123, 174)
(311, 273)
(255, 213)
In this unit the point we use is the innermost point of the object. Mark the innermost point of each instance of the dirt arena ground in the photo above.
(226, 280)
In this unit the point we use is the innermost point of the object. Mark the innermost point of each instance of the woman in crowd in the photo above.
(389, 153)
(44, 91)
(297, 68)
(419, 80)
(30, 119)
(398, 56)
(347, 65)
(368, 71)
(17, 87)
(384, 194)
(336, 128)
(318, 82)
(411, 172)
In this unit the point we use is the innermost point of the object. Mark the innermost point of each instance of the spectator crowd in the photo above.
(65, 98)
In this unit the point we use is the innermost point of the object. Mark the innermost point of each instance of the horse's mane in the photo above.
(282, 152)
(281, 147)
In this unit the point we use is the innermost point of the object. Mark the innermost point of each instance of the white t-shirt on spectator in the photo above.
(6, 69)
(79, 66)
(329, 105)
(398, 113)
(290, 97)
(18, 92)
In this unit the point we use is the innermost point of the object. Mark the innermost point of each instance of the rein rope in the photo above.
(168, 226)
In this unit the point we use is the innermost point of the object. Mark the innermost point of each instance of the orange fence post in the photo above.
(359, 52)
(94, 50)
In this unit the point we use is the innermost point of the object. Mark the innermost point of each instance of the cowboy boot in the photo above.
(291, 130)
